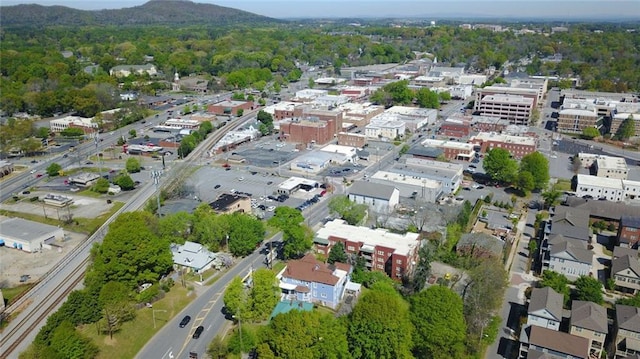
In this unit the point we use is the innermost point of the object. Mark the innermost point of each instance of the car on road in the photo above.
(185, 321)
(269, 183)
(240, 179)
(32, 171)
(472, 166)
(34, 161)
(39, 175)
(216, 186)
(198, 331)
(88, 163)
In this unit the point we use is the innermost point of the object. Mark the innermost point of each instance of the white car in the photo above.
(271, 208)
(240, 179)
(32, 171)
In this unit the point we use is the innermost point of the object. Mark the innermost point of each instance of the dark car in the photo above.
(216, 186)
(185, 321)
(270, 183)
(198, 331)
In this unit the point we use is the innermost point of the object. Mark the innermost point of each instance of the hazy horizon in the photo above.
(427, 9)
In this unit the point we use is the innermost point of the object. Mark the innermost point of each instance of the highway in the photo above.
(48, 294)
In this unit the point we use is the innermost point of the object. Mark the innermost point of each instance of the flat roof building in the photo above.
(611, 167)
(293, 184)
(28, 236)
(410, 185)
(228, 203)
(517, 146)
(392, 253)
(514, 108)
(452, 150)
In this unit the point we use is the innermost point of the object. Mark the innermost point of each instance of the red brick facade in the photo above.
(382, 259)
(517, 150)
(457, 128)
(351, 139)
(629, 232)
(225, 107)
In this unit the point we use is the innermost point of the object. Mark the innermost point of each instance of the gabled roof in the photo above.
(601, 209)
(546, 299)
(589, 315)
(482, 240)
(570, 222)
(579, 254)
(625, 262)
(309, 269)
(577, 347)
(628, 317)
(624, 251)
(372, 190)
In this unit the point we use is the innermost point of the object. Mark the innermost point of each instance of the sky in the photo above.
(542, 9)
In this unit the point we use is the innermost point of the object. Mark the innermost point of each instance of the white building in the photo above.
(611, 189)
(341, 154)
(293, 184)
(308, 95)
(410, 186)
(180, 123)
(61, 124)
(569, 257)
(27, 235)
(313, 162)
(381, 198)
(611, 167)
(448, 174)
(385, 128)
(192, 256)
(330, 101)
(126, 70)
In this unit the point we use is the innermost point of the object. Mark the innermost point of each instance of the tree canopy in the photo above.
(351, 212)
(376, 333)
(337, 253)
(499, 165)
(627, 129)
(537, 165)
(132, 165)
(440, 329)
(301, 334)
(589, 289)
(53, 169)
(297, 237)
(557, 282)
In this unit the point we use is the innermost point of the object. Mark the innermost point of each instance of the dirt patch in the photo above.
(15, 263)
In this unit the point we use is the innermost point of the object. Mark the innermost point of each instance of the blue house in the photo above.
(309, 280)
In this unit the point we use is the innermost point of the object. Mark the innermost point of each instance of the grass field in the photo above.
(562, 185)
(133, 335)
(10, 293)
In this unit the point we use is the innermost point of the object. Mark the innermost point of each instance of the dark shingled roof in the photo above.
(371, 190)
(559, 342)
(630, 221)
(628, 317)
(546, 298)
(421, 151)
(625, 262)
(571, 223)
(601, 209)
(589, 315)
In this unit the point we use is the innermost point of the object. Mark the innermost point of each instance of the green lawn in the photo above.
(562, 185)
(135, 334)
(10, 293)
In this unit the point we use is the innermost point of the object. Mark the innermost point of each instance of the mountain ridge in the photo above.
(153, 12)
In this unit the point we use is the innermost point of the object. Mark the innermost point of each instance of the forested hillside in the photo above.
(165, 12)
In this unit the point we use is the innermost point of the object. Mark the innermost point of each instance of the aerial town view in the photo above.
(319, 179)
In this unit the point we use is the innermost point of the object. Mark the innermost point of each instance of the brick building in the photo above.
(230, 107)
(489, 124)
(629, 231)
(392, 253)
(357, 140)
(451, 150)
(517, 146)
(455, 127)
(310, 125)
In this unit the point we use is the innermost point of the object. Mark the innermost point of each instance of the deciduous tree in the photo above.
(380, 327)
(437, 315)
(627, 129)
(116, 306)
(234, 296)
(351, 212)
(538, 166)
(132, 165)
(337, 253)
(499, 165)
(589, 289)
(557, 282)
(263, 296)
(53, 169)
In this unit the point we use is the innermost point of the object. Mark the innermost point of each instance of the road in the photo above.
(206, 310)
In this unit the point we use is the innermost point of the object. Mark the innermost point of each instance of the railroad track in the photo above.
(33, 319)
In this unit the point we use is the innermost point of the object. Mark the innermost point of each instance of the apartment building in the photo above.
(392, 253)
(629, 231)
(627, 328)
(517, 146)
(610, 189)
(575, 116)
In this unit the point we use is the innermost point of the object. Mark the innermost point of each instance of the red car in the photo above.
(39, 175)
(323, 193)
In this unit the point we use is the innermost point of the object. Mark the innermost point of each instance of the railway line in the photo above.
(51, 291)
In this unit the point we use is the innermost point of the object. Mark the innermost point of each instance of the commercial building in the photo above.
(341, 154)
(385, 126)
(575, 116)
(308, 95)
(357, 140)
(610, 167)
(392, 253)
(532, 93)
(126, 70)
(182, 123)
(85, 124)
(410, 185)
(514, 108)
(455, 127)
(56, 200)
(624, 111)
(310, 125)
(358, 114)
(312, 162)
(414, 118)
(451, 150)
(489, 124)
(517, 146)
(84, 179)
(230, 107)
(27, 235)
(293, 184)
(6, 168)
(228, 203)
(381, 198)
(448, 174)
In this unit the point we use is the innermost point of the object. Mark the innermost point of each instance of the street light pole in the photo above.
(155, 175)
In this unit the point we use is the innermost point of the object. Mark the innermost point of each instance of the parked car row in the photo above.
(309, 202)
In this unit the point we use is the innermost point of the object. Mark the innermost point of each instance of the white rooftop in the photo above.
(508, 98)
(404, 179)
(587, 180)
(344, 150)
(401, 243)
(292, 182)
(450, 144)
(492, 136)
(612, 163)
(192, 255)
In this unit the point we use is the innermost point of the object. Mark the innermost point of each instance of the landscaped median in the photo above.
(133, 335)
